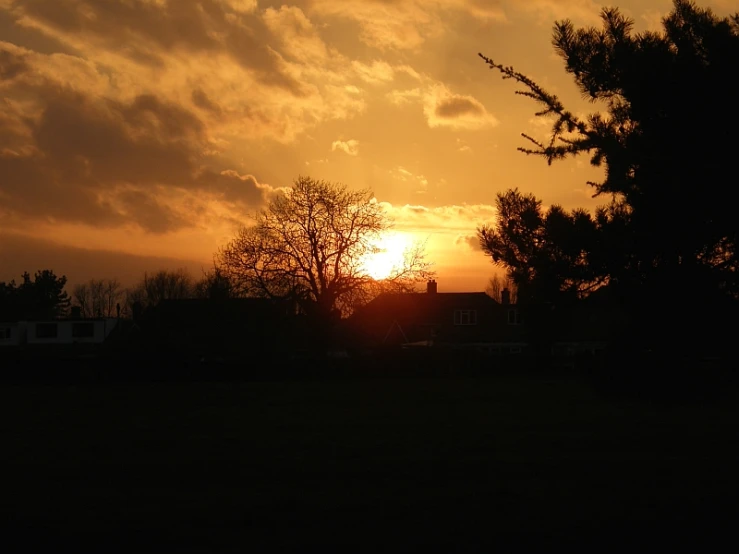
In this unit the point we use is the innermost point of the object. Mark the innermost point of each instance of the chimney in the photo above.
(505, 296)
(431, 286)
(76, 312)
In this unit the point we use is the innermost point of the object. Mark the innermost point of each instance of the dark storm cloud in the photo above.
(30, 188)
(11, 65)
(203, 101)
(103, 162)
(242, 189)
(21, 253)
(169, 25)
(458, 106)
(150, 213)
(106, 142)
(10, 31)
(471, 241)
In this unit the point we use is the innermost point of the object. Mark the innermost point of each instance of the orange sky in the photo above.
(148, 129)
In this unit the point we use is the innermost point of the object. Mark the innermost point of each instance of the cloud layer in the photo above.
(128, 120)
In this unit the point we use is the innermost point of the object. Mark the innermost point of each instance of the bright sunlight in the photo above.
(388, 258)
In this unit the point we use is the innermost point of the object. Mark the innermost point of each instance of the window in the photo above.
(515, 349)
(5, 333)
(46, 331)
(514, 317)
(83, 330)
(465, 317)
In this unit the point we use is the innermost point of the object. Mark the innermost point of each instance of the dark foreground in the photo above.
(445, 464)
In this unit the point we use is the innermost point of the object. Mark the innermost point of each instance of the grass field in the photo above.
(441, 464)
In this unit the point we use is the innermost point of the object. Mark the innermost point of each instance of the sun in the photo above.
(388, 258)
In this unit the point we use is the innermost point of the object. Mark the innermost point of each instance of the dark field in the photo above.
(442, 464)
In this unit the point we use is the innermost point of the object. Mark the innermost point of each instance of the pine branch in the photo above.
(565, 122)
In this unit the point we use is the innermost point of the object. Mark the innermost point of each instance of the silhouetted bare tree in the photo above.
(168, 285)
(214, 285)
(496, 286)
(134, 296)
(98, 297)
(308, 245)
(161, 285)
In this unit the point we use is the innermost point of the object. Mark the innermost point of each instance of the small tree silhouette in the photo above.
(496, 286)
(547, 255)
(98, 297)
(40, 297)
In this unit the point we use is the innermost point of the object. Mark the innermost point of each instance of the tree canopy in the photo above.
(665, 97)
(214, 285)
(162, 285)
(549, 254)
(310, 245)
(98, 297)
(39, 297)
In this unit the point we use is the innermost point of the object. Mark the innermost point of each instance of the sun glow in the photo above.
(388, 258)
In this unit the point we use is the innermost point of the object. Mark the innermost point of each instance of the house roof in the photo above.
(422, 306)
(420, 316)
(425, 301)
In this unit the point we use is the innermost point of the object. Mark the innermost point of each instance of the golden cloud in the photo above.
(400, 97)
(450, 219)
(408, 24)
(377, 72)
(241, 6)
(403, 24)
(546, 11)
(449, 234)
(268, 74)
(297, 33)
(350, 147)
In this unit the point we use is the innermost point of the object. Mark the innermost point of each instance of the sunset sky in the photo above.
(137, 134)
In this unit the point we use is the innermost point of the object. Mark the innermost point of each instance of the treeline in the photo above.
(44, 295)
(41, 296)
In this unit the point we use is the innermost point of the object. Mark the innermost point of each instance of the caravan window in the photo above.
(46, 331)
(83, 330)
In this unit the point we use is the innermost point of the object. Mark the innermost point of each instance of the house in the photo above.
(12, 334)
(61, 331)
(69, 331)
(454, 320)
